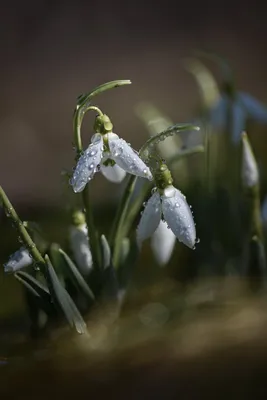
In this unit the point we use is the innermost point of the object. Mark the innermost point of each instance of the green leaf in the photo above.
(76, 276)
(37, 289)
(40, 289)
(63, 300)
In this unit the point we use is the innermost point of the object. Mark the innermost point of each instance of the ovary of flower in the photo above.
(79, 244)
(162, 243)
(242, 107)
(173, 206)
(92, 160)
(20, 259)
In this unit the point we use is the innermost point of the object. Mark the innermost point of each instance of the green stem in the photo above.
(25, 237)
(116, 232)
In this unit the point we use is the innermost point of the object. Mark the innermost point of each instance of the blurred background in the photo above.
(53, 51)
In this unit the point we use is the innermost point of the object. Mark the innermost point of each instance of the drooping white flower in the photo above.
(79, 244)
(20, 259)
(242, 107)
(103, 148)
(249, 168)
(162, 243)
(172, 205)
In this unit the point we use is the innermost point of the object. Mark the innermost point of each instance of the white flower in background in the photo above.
(243, 108)
(78, 237)
(20, 259)
(112, 150)
(249, 168)
(162, 243)
(172, 205)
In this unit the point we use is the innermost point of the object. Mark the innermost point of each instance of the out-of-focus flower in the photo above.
(112, 156)
(162, 243)
(239, 108)
(172, 205)
(249, 169)
(79, 244)
(20, 259)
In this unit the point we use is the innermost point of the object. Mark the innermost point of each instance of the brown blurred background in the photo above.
(53, 51)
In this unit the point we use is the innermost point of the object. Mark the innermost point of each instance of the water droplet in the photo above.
(91, 166)
(197, 240)
(177, 205)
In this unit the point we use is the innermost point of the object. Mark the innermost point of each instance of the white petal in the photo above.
(87, 164)
(249, 170)
(162, 243)
(254, 108)
(20, 259)
(113, 173)
(178, 216)
(127, 158)
(80, 248)
(150, 218)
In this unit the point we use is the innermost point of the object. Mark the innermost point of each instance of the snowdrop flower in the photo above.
(20, 259)
(172, 205)
(78, 237)
(112, 156)
(249, 169)
(243, 106)
(162, 243)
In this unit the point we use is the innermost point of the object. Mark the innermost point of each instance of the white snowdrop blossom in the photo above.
(172, 205)
(162, 243)
(111, 149)
(249, 169)
(20, 259)
(243, 106)
(79, 244)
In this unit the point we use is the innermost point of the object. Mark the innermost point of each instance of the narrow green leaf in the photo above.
(37, 286)
(63, 299)
(76, 276)
(38, 290)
